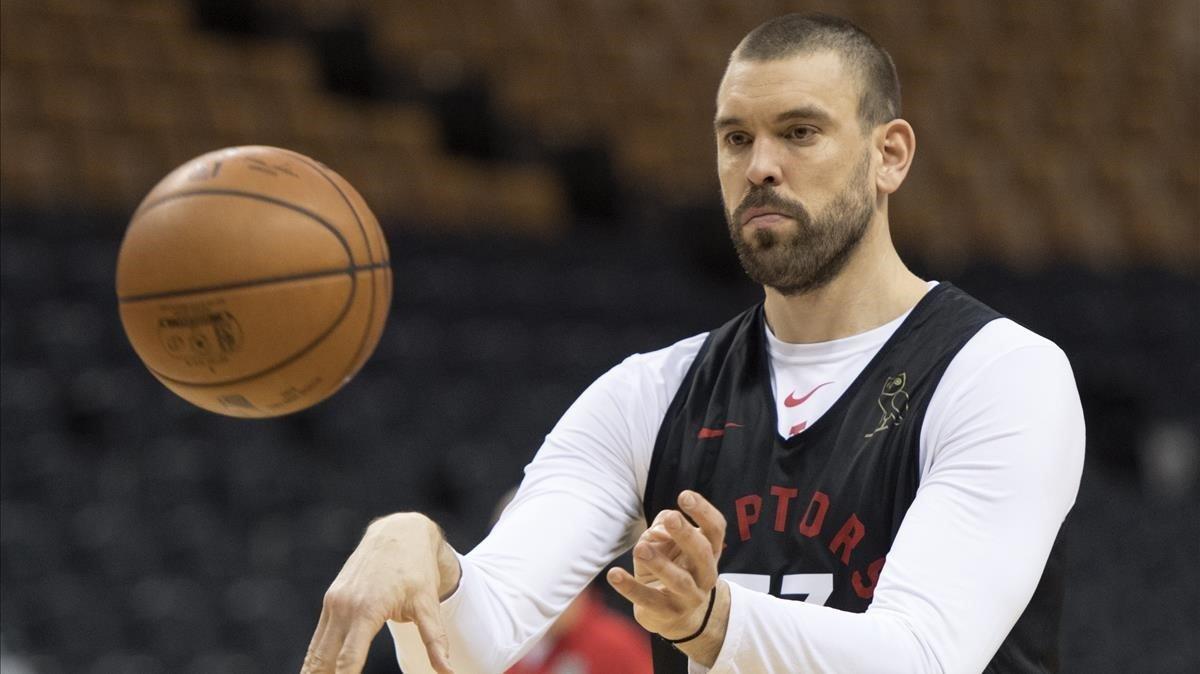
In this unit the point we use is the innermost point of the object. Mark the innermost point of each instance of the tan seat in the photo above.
(18, 97)
(163, 101)
(78, 97)
(36, 167)
(41, 39)
(117, 168)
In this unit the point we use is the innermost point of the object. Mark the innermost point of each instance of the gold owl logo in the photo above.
(893, 403)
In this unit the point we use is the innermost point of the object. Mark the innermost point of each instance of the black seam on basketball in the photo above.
(312, 164)
(286, 361)
(353, 366)
(260, 197)
(238, 285)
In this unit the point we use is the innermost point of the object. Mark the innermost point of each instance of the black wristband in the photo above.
(712, 601)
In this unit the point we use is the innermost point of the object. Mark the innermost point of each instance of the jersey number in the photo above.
(812, 588)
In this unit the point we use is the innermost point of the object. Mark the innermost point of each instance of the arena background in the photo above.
(545, 173)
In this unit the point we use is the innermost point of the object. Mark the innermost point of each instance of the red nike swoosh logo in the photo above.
(706, 433)
(793, 401)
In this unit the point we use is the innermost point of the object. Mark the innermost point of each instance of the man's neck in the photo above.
(874, 288)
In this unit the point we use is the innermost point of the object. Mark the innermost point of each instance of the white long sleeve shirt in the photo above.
(1001, 454)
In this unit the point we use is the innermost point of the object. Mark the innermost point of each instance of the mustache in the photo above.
(762, 196)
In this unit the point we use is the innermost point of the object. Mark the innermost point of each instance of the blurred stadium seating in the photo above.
(1065, 130)
(544, 169)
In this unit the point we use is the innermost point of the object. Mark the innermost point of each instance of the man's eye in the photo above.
(800, 133)
(737, 138)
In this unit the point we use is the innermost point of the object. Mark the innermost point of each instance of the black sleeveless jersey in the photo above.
(816, 514)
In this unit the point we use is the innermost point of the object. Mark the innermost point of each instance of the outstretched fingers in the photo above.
(638, 593)
(390, 575)
(427, 615)
(707, 517)
(355, 647)
(696, 548)
(674, 577)
(674, 567)
(326, 643)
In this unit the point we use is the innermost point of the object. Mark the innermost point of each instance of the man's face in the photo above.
(795, 168)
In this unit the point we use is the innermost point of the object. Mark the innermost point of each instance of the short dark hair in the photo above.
(795, 34)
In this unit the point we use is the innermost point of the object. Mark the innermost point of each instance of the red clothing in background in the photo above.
(599, 641)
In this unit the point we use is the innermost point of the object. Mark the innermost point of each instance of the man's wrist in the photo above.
(705, 648)
(449, 569)
(707, 610)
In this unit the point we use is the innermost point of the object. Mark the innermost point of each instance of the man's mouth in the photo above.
(763, 217)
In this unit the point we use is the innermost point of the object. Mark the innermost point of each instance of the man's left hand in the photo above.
(675, 571)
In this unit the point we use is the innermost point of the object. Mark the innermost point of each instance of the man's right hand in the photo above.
(400, 571)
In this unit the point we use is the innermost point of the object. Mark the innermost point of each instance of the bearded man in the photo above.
(866, 472)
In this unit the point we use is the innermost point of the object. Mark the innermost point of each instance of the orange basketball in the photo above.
(253, 281)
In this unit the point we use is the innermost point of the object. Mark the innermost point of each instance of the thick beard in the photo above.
(820, 248)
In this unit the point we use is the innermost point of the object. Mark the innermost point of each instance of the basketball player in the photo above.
(867, 472)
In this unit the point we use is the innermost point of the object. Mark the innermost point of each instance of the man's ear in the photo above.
(897, 143)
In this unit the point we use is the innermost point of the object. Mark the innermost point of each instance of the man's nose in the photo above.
(765, 166)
